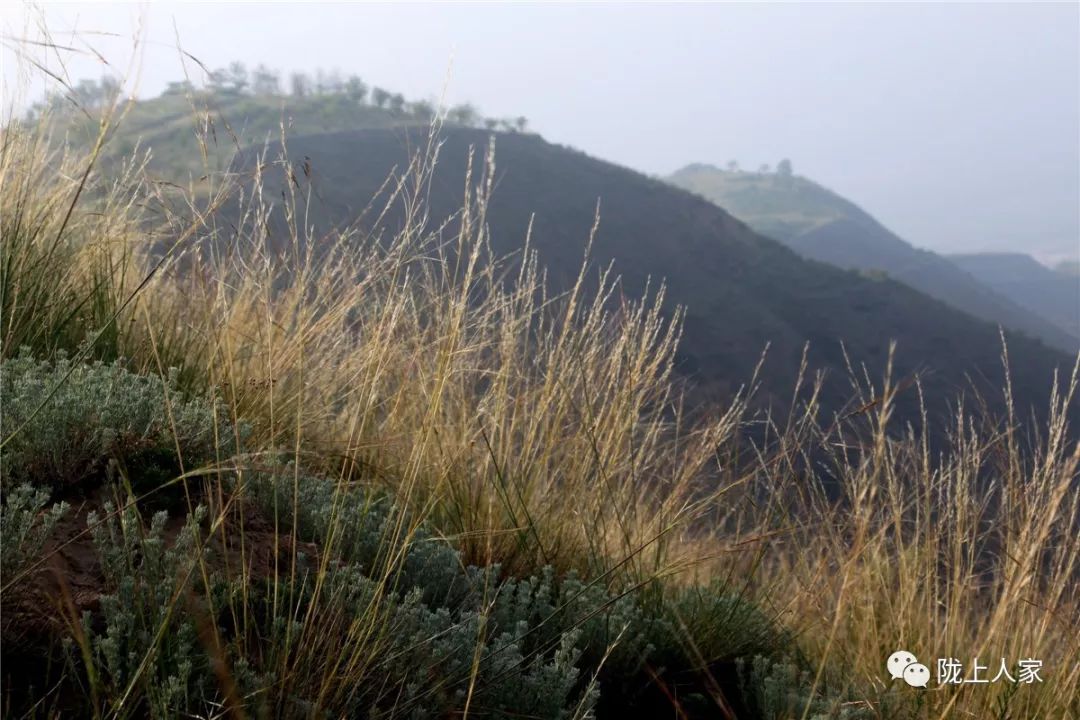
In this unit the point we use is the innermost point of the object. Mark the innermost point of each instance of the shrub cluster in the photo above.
(387, 621)
(25, 525)
(67, 424)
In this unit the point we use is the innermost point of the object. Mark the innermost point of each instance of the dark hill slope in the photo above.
(851, 244)
(743, 291)
(1052, 293)
(821, 225)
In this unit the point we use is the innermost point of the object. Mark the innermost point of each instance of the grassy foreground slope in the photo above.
(821, 225)
(742, 291)
(397, 479)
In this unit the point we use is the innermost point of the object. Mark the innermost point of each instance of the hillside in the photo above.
(1053, 294)
(743, 291)
(334, 471)
(350, 493)
(191, 131)
(1068, 267)
(819, 224)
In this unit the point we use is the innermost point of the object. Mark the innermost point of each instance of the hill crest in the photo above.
(822, 225)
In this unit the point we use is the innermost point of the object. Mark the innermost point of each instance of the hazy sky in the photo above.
(958, 126)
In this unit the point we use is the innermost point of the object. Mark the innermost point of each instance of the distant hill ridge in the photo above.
(1053, 294)
(743, 291)
(1068, 267)
(821, 225)
(244, 107)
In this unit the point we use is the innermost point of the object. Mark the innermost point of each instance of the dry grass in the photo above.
(969, 551)
(537, 430)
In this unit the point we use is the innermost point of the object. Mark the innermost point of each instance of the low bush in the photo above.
(25, 526)
(781, 689)
(67, 424)
(141, 653)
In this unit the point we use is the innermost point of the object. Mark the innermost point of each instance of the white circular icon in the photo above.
(917, 675)
(898, 661)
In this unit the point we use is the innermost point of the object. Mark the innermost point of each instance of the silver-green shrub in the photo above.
(64, 422)
(146, 642)
(25, 526)
(783, 690)
(363, 527)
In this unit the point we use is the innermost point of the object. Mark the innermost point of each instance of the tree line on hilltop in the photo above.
(237, 80)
